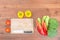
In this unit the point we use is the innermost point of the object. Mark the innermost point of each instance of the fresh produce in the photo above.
(52, 30)
(47, 26)
(39, 28)
(44, 27)
(39, 20)
(46, 19)
(53, 23)
(28, 13)
(43, 18)
(20, 14)
(8, 22)
(8, 30)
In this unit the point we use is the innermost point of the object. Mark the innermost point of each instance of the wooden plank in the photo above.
(31, 6)
(39, 8)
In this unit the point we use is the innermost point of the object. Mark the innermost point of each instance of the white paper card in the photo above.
(22, 26)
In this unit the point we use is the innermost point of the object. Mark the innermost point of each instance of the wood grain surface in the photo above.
(39, 8)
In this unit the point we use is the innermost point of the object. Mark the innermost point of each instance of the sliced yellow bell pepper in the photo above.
(28, 13)
(20, 14)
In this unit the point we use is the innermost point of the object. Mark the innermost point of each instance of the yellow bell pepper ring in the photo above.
(20, 14)
(28, 13)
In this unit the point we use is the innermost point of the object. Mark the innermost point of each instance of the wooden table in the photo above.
(39, 8)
